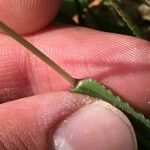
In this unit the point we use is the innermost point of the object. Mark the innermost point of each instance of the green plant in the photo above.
(119, 16)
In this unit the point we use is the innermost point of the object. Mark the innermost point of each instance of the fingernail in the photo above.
(96, 126)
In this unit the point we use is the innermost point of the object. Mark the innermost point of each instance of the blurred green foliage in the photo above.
(105, 18)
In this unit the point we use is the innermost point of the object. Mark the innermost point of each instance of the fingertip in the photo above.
(26, 123)
(28, 16)
(96, 126)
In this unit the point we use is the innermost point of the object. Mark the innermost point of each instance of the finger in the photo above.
(120, 62)
(36, 123)
(89, 124)
(26, 16)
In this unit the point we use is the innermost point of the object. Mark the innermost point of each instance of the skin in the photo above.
(34, 99)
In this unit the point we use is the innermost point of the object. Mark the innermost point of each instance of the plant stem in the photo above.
(79, 12)
(38, 53)
(126, 18)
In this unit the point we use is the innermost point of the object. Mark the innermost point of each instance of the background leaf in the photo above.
(103, 17)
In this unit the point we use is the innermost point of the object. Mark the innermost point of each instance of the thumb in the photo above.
(55, 121)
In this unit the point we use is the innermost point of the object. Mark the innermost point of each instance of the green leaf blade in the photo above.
(140, 123)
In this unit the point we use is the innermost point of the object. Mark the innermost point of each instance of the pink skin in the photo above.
(120, 62)
(29, 15)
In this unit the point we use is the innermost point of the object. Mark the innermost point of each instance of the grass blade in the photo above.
(140, 123)
(126, 18)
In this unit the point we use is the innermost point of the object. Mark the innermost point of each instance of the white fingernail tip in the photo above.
(61, 144)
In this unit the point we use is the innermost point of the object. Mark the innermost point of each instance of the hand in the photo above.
(37, 112)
